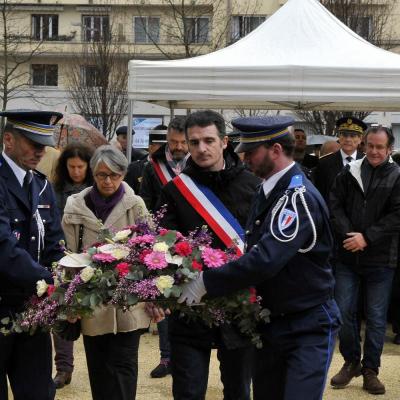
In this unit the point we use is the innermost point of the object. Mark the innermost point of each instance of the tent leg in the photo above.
(129, 133)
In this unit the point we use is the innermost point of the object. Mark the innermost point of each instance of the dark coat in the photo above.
(375, 213)
(288, 281)
(235, 187)
(20, 266)
(134, 175)
(138, 154)
(150, 188)
(326, 171)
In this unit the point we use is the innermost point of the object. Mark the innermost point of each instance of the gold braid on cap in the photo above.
(350, 126)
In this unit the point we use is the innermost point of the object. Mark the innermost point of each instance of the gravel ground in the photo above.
(160, 389)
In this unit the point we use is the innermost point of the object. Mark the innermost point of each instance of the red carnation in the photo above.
(183, 249)
(123, 268)
(253, 295)
(197, 266)
(143, 254)
(50, 290)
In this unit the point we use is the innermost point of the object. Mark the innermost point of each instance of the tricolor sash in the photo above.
(213, 211)
(164, 172)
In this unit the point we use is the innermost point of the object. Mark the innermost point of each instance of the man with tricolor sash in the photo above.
(165, 163)
(288, 244)
(216, 190)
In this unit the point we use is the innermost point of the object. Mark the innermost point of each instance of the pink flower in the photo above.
(143, 254)
(163, 232)
(183, 249)
(197, 266)
(123, 268)
(156, 260)
(213, 258)
(103, 257)
(145, 239)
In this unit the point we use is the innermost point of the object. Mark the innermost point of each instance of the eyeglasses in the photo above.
(103, 176)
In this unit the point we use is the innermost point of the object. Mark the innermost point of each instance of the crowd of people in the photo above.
(321, 238)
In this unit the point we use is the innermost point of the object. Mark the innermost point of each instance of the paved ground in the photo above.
(160, 389)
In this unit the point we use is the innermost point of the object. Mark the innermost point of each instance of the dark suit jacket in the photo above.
(326, 171)
(20, 266)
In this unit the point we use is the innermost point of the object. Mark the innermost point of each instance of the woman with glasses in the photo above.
(111, 337)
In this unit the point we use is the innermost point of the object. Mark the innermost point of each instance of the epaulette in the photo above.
(39, 174)
(296, 181)
(325, 155)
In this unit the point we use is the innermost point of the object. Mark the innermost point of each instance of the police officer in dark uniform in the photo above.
(288, 246)
(30, 233)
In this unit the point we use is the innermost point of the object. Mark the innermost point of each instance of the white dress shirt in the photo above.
(270, 183)
(344, 157)
(18, 171)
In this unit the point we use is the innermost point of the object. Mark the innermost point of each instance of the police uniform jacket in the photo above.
(134, 174)
(288, 281)
(21, 266)
(151, 185)
(326, 171)
(235, 187)
(373, 210)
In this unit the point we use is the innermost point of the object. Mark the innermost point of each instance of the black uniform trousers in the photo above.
(296, 354)
(20, 353)
(190, 367)
(112, 362)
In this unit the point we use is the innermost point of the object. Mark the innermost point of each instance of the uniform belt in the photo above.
(299, 313)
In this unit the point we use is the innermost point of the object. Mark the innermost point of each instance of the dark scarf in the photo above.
(102, 206)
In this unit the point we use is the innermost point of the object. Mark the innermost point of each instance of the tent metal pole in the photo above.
(129, 133)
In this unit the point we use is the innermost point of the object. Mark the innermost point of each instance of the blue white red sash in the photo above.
(213, 211)
(164, 172)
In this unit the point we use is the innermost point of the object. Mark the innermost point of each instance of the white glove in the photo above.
(193, 291)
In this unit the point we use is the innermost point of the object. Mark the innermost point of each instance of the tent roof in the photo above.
(302, 57)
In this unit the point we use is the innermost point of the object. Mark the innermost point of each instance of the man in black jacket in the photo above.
(350, 131)
(213, 164)
(365, 212)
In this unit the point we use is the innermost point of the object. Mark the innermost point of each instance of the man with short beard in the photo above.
(167, 162)
(227, 189)
(288, 246)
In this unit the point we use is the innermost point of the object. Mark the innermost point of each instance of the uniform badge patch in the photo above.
(286, 218)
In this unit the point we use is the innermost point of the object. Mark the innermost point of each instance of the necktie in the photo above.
(349, 159)
(27, 184)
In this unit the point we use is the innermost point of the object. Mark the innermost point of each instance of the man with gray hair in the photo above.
(30, 233)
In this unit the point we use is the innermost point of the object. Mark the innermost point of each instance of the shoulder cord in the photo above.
(280, 207)
(40, 225)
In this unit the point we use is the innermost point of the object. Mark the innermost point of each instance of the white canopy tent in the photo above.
(302, 57)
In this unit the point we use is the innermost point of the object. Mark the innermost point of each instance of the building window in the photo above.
(361, 25)
(95, 28)
(147, 29)
(196, 29)
(44, 27)
(90, 76)
(44, 74)
(242, 25)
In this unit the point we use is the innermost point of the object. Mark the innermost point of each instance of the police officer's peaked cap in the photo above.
(157, 136)
(37, 126)
(255, 131)
(350, 124)
(123, 130)
(234, 137)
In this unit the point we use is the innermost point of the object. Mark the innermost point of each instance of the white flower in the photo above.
(177, 260)
(161, 246)
(164, 282)
(41, 287)
(117, 251)
(121, 235)
(87, 274)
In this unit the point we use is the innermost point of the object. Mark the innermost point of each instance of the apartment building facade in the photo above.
(62, 32)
